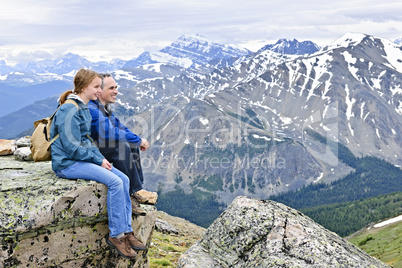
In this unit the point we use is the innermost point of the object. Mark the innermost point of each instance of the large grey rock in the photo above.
(165, 227)
(23, 154)
(47, 221)
(258, 233)
(24, 142)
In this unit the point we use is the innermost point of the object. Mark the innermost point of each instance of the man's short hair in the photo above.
(102, 76)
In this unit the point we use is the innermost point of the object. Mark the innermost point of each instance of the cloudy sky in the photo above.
(102, 30)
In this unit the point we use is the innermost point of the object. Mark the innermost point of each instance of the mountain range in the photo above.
(39, 80)
(207, 130)
(228, 122)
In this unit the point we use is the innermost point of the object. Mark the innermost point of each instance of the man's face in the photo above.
(109, 91)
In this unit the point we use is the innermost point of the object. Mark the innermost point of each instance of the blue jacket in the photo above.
(73, 145)
(107, 129)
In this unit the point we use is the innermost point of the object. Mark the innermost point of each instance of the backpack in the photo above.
(40, 139)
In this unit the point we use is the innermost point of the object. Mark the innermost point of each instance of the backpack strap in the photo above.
(57, 136)
(78, 107)
(72, 102)
(54, 138)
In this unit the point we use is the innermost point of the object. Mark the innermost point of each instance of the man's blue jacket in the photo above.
(107, 129)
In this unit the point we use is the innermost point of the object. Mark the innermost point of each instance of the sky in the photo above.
(103, 30)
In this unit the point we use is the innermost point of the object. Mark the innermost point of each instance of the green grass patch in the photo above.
(383, 243)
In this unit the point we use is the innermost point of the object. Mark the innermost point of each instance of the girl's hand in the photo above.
(106, 164)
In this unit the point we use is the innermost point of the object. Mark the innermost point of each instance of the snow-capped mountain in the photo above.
(190, 51)
(272, 107)
(264, 124)
(67, 65)
(4, 68)
(42, 71)
(293, 47)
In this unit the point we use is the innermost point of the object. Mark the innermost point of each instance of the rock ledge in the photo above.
(48, 221)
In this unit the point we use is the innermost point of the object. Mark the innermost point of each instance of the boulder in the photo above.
(48, 221)
(7, 147)
(23, 154)
(261, 233)
(24, 142)
(165, 227)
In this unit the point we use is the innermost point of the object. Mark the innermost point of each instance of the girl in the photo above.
(74, 156)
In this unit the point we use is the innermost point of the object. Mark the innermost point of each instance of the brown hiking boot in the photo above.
(135, 242)
(122, 245)
(151, 197)
(140, 198)
(136, 208)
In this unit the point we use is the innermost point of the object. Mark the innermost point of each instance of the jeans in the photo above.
(118, 199)
(126, 158)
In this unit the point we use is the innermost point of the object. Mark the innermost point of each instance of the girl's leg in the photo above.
(117, 192)
(126, 184)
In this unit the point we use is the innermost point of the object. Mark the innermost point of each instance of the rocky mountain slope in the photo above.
(251, 129)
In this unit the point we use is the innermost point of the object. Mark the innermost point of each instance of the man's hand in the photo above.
(144, 145)
(106, 164)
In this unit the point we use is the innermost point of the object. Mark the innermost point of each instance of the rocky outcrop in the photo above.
(7, 147)
(47, 221)
(259, 233)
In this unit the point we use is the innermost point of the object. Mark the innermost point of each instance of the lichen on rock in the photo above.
(49, 221)
(263, 233)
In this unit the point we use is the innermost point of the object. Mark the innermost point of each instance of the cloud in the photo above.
(28, 56)
(124, 28)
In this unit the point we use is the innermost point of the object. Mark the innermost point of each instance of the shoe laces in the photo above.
(134, 200)
(127, 243)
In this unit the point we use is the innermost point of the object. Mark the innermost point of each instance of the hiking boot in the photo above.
(140, 198)
(151, 197)
(136, 208)
(135, 242)
(122, 245)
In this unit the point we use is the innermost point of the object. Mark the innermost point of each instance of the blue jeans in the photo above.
(126, 158)
(118, 198)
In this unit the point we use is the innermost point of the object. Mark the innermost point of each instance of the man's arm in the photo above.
(103, 129)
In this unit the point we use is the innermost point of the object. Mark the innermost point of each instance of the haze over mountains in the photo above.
(227, 121)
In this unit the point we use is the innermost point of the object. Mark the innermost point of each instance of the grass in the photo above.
(166, 249)
(383, 243)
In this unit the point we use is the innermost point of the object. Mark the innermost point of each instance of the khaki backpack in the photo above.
(40, 140)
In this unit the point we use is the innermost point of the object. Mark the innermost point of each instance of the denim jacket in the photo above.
(106, 129)
(73, 145)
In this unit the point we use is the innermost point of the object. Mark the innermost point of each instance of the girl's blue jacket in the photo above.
(74, 126)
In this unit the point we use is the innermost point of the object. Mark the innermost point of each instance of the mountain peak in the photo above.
(348, 39)
(289, 46)
(192, 38)
(71, 55)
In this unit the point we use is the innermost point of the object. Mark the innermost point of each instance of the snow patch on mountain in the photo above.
(121, 74)
(393, 55)
(351, 61)
(348, 39)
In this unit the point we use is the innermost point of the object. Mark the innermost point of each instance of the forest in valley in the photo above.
(372, 192)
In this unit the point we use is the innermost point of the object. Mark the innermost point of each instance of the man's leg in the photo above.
(135, 152)
(125, 161)
(122, 159)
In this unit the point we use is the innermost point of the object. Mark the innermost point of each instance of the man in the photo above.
(118, 144)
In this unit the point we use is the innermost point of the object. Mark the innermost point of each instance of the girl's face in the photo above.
(92, 91)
